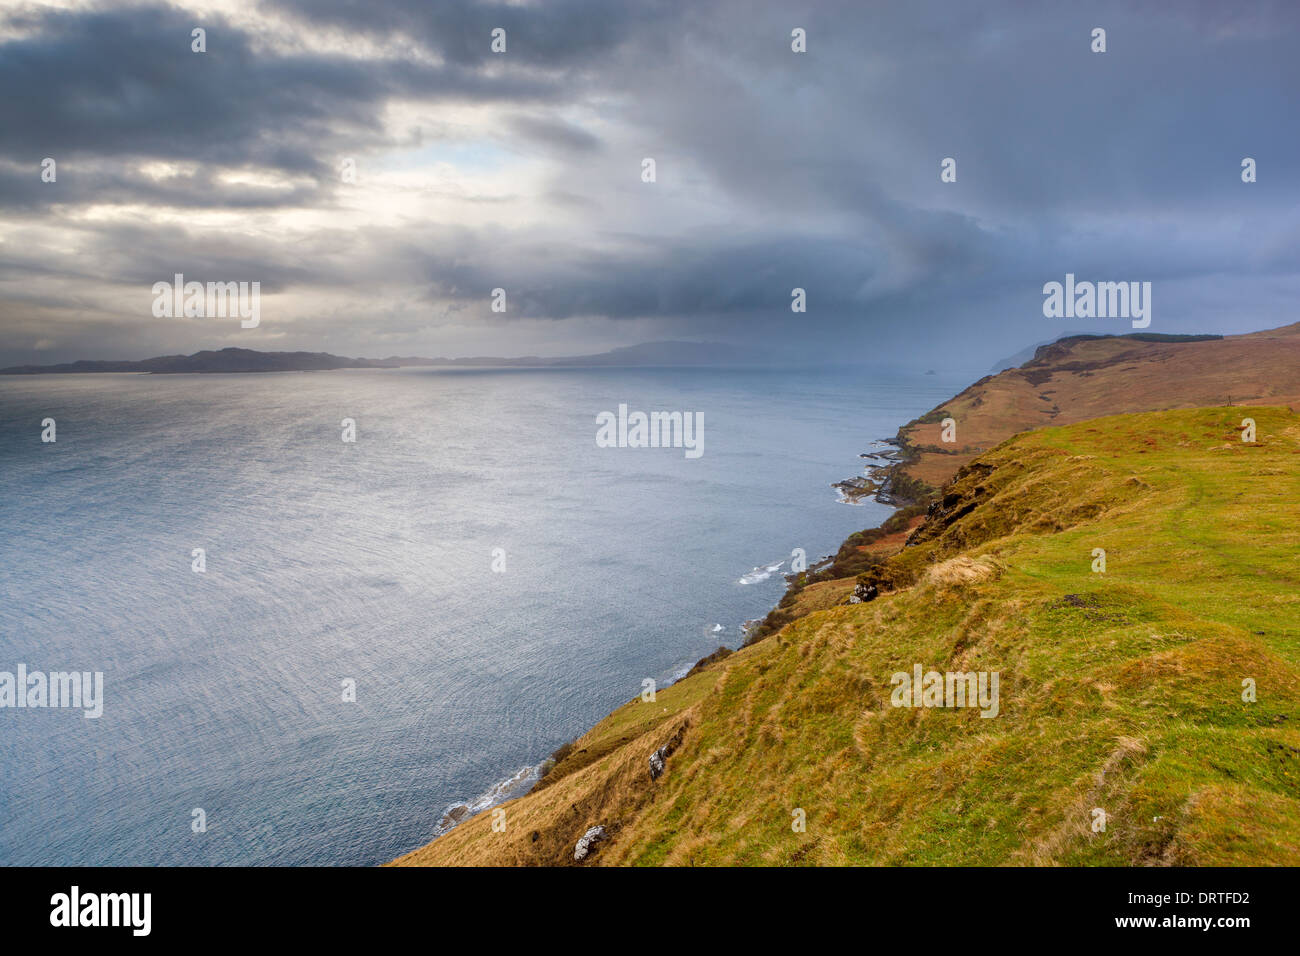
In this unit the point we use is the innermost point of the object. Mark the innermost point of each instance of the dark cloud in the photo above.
(775, 170)
(555, 133)
(557, 34)
(126, 83)
(83, 182)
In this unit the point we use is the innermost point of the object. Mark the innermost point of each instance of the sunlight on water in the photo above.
(372, 561)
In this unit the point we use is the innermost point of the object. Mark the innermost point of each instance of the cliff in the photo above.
(1121, 692)
(1082, 377)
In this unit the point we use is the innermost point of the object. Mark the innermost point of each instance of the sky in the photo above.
(523, 170)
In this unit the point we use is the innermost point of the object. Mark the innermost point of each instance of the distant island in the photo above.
(250, 360)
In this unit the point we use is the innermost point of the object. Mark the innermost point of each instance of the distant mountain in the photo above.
(645, 354)
(672, 353)
(226, 360)
(250, 360)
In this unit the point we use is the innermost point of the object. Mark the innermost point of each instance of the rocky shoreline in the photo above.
(877, 482)
(883, 481)
(516, 785)
(906, 473)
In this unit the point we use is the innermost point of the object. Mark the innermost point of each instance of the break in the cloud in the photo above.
(522, 170)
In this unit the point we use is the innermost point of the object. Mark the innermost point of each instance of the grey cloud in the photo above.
(558, 34)
(817, 170)
(93, 181)
(126, 83)
(555, 133)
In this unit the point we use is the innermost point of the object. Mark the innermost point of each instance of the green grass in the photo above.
(1119, 690)
(629, 722)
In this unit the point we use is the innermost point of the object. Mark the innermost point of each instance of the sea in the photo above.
(311, 648)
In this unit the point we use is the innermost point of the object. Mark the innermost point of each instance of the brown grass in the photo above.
(1089, 379)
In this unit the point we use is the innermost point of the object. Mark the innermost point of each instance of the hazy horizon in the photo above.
(744, 358)
(380, 170)
(376, 560)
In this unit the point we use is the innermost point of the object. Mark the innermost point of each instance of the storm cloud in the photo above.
(380, 170)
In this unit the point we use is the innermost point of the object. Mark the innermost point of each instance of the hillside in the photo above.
(251, 360)
(1120, 691)
(1079, 378)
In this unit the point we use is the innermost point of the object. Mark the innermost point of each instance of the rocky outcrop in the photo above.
(454, 816)
(594, 835)
(959, 499)
(657, 762)
(659, 759)
(863, 592)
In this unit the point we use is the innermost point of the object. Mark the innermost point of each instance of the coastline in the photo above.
(885, 482)
(1021, 473)
(877, 484)
(906, 471)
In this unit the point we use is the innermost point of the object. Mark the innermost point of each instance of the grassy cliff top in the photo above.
(1120, 691)
(1080, 378)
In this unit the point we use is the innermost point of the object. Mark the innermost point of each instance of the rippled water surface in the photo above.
(372, 562)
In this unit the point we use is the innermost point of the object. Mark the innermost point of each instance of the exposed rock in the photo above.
(594, 835)
(659, 759)
(863, 593)
(851, 489)
(657, 762)
(454, 816)
(957, 502)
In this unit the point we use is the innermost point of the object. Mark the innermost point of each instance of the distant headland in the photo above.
(251, 360)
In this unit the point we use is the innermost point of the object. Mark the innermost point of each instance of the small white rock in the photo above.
(591, 836)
